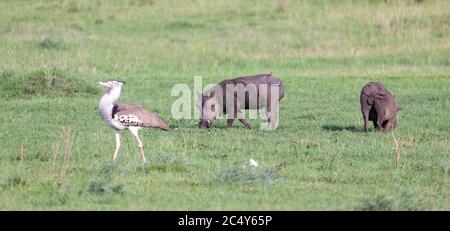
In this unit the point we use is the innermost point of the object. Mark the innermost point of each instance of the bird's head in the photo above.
(112, 84)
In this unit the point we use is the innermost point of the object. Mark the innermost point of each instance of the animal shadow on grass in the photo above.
(223, 125)
(332, 127)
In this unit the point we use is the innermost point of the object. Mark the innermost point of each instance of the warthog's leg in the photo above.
(391, 124)
(242, 119)
(230, 122)
(272, 118)
(388, 125)
(271, 111)
(246, 123)
(380, 123)
(375, 125)
(366, 120)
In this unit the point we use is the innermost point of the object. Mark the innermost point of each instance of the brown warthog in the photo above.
(233, 95)
(379, 106)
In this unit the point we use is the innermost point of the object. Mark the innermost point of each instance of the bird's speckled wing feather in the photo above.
(136, 115)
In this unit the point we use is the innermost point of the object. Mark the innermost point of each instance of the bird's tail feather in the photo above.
(163, 125)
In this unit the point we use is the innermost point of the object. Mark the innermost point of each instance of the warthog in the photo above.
(248, 92)
(379, 106)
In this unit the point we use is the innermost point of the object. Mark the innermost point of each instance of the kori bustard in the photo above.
(126, 116)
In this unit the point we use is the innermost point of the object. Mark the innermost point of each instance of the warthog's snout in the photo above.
(204, 123)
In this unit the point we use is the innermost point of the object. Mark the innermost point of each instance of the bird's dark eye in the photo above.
(213, 107)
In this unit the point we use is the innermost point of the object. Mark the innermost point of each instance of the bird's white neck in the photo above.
(107, 103)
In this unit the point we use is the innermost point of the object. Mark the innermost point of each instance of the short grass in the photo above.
(56, 152)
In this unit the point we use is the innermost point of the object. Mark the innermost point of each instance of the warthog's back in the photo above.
(372, 89)
(256, 80)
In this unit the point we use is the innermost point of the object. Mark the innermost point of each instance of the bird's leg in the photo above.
(117, 134)
(141, 149)
(140, 146)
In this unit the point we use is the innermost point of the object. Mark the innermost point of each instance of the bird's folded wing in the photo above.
(146, 118)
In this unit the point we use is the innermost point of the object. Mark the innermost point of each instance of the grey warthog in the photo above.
(233, 95)
(379, 106)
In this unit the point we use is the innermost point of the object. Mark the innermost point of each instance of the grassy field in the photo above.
(56, 152)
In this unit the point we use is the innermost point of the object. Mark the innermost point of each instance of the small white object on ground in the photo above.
(253, 163)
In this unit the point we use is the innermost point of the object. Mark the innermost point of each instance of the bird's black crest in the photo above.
(117, 80)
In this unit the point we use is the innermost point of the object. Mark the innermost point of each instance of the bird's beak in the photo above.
(104, 84)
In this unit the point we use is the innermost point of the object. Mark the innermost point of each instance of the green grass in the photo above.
(56, 151)
(50, 83)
